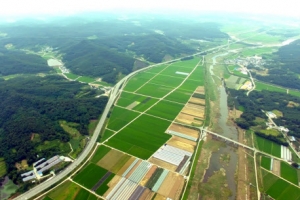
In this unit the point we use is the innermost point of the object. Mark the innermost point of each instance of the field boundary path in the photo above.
(81, 160)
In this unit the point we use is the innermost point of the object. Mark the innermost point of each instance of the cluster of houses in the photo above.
(256, 61)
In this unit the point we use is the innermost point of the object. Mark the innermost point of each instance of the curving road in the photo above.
(115, 91)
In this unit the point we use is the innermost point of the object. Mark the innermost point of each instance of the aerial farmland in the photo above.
(147, 148)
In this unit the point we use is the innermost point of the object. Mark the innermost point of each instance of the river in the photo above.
(229, 131)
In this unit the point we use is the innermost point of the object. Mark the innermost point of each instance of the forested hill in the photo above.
(90, 58)
(284, 67)
(105, 47)
(107, 57)
(35, 105)
(14, 62)
(253, 104)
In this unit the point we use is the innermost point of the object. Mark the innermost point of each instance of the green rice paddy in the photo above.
(143, 136)
(288, 172)
(107, 133)
(103, 187)
(278, 188)
(69, 190)
(190, 85)
(180, 96)
(165, 109)
(137, 81)
(90, 175)
(268, 146)
(144, 102)
(100, 153)
(155, 90)
(120, 117)
(266, 162)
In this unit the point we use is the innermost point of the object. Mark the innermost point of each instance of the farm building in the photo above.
(40, 166)
(292, 139)
(271, 115)
(283, 129)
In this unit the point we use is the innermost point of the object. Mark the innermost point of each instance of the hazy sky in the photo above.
(21, 7)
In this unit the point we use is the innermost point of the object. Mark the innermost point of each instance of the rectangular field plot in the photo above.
(104, 186)
(113, 161)
(165, 109)
(283, 190)
(146, 132)
(180, 96)
(106, 134)
(120, 117)
(183, 131)
(289, 173)
(166, 81)
(143, 102)
(69, 190)
(100, 153)
(278, 188)
(90, 175)
(156, 69)
(171, 186)
(188, 119)
(189, 64)
(198, 75)
(190, 85)
(154, 90)
(182, 143)
(266, 162)
(197, 101)
(268, 146)
(136, 81)
(171, 71)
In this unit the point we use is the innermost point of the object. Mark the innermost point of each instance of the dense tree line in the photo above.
(285, 80)
(257, 102)
(92, 59)
(155, 47)
(14, 62)
(35, 105)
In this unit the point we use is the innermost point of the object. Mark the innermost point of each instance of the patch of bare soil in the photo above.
(181, 145)
(188, 119)
(132, 105)
(191, 111)
(197, 101)
(184, 130)
(124, 168)
(148, 175)
(276, 167)
(163, 164)
(110, 159)
(200, 89)
(177, 188)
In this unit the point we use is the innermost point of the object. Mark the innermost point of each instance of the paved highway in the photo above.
(113, 96)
